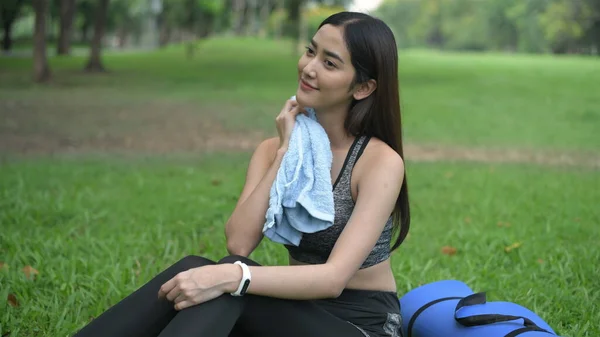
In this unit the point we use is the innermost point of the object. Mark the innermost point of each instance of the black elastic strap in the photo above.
(423, 308)
(362, 148)
(348, 155)
(476, 320)
(524, 330)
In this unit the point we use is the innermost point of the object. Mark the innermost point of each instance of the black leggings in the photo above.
(142, 314)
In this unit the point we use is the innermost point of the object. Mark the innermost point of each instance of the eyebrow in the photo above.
(328, 52)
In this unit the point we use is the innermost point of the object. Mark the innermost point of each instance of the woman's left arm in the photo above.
(378, 188)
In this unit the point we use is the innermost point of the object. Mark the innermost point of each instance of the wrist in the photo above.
(282, 150)
(234, 277)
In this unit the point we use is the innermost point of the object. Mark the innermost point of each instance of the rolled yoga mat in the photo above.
(449, 308)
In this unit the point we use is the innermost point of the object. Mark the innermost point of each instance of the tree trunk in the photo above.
(9, 11)
(191, 42)
(239, 7)
(67, 13)
(265, 10)
(41, 71)
(295, 20)
(95, 63)
(7, 41)
(302, 31)
(164, 28)
(251, 17)
(122, 34)
(279, 24)
(206, 24)
(165, 35)
(84, 34)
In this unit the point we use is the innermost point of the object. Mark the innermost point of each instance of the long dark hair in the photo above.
(374, 55)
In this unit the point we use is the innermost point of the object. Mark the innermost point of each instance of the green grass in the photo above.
(483, 100)
(83, 224)
(98, 225)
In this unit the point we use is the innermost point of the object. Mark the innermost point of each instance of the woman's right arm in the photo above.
(244, 228)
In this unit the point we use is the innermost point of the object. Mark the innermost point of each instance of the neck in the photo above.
(332, 120)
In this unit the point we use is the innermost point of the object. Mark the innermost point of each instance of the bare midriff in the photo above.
(378, 277)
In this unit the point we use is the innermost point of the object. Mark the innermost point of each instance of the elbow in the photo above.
(337, 290)
(233, 245)
(241, 242)
(336, 280)
(334, 292)
(336, 287)
(234, 248)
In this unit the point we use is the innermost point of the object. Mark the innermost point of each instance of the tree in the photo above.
(128, 18)
(565, 24)
(85, 11)
(401, 16)
(265, 11)
(239, 10)
(194, 19)
(295, 23)
(592, 34)
(95, 63)
(502, 30)
(41, 70)
(67, 13)
(206, 13)
(464, 25)
(9, 11)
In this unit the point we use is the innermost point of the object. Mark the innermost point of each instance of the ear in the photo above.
(364, 90)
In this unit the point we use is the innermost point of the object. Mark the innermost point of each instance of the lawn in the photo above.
(108, 179)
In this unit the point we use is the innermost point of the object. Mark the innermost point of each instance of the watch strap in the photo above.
(245, 282)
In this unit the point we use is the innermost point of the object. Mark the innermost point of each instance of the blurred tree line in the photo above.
(557, 26)
(150, 23)
(533, 26)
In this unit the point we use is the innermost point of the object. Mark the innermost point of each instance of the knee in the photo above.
(234, 258)
(192, 261)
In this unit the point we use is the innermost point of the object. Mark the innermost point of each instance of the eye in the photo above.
(329, 64)
(309, 50)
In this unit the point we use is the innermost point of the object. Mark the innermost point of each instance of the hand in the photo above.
(285, 121)
(202, 284)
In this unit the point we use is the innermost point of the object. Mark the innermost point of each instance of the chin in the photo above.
(303, 100)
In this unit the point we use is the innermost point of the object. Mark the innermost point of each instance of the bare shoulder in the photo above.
(378, 162)
(267, 149)
(379, 154)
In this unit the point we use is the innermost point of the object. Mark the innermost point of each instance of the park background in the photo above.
(126, 127)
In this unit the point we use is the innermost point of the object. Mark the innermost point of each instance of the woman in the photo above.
(339, 281)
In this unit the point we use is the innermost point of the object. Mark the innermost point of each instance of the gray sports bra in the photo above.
(315, 248)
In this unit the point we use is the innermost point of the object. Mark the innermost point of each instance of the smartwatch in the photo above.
(245, 282)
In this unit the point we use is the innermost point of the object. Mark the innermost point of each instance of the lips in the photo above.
(308, 84)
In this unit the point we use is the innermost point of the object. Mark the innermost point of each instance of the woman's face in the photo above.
(325, 71)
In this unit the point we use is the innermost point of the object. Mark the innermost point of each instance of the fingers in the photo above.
(302, 110)
(184, 304)
(167, 287)
(174, 293)
(293, 107)
(289, 104)
(181, 296)
(298, 110)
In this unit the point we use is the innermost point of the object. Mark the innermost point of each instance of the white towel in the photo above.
(301, 197)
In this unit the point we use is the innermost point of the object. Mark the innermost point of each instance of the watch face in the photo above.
(245, 287)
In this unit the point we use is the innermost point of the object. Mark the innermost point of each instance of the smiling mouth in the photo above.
(307, 85)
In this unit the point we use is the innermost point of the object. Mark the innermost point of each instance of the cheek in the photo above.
(301, 64)
(338, 82)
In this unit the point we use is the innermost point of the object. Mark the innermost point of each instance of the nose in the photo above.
(309, 70)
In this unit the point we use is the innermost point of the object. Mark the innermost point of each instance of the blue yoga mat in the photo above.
(450, 308)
